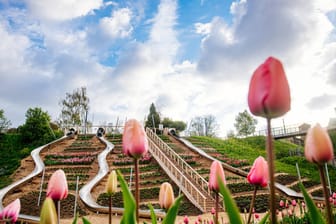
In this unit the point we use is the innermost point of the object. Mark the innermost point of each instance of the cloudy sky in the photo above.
(190, 58)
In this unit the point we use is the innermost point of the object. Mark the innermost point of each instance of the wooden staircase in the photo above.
(192, 184)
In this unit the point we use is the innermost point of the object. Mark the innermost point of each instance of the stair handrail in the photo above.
(187, 187)
(181, 162)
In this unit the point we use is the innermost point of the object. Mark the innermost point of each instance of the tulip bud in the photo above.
(216, 171)
(281, 203)
(318, 146)
(213, 211)
(186, 220)
(258, 174)
(269, 94)
(48, 212)
(294, 202)
(166, 195)
(134, 140)
(57, 186)
(11, 211)
(112, 183)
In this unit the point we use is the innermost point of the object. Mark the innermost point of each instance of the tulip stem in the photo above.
(270, 160)
(137, 193)
(110, 209)
(216, 209)
(58, 211)
(326, 193)
(252, 204)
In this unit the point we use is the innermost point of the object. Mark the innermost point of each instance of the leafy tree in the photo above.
(245, 124)
(204, 126)
(75, 108)
(36, 130)
(153, 116)
(4, 123)
(178, 125)
(230, 134)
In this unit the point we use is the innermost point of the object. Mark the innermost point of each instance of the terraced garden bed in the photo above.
(29, 205)
(285, 179)
(307, 184)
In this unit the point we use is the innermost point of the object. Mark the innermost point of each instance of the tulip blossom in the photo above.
(48, 212)
(134, 140)
(258, 174)
(166, 195)
(57, 186)
(216, 171)
(294, 202)
(318, 146)
(112, 183)
(269, 94)
(11, 211)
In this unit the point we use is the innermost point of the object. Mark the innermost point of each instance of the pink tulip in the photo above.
(11, 211)
(57, 186)
(213, 210)
(318, 146)
(216, 171)
(269, 94)
(258, 174)
(186, 220)
(334, 195)
(199, 218)
(282, 203)
(294, 202)
(134, 140)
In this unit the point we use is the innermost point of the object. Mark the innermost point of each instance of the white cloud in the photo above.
(61, 10)
(281, 29)
(203, 28)
(13, 49)
(118, 25)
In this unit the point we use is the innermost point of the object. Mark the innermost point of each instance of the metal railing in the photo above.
(176, 174)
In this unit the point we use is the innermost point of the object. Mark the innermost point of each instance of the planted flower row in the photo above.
(86, 160)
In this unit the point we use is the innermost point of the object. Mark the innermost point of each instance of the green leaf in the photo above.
(129, 202)
(264, 219)
(153, 215)
(313, 213)
(172, 212)
(85, 220)
(230, 205)
(75, 219)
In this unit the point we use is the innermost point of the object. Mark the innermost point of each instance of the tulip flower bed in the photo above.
(306, 183)
(69, 160)
(240, 187)
(29, 205)
(285, 179)
(186, 207)
(261, 203)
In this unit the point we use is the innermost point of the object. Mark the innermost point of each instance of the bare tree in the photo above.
(204, 126)
(75, 108)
